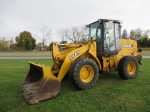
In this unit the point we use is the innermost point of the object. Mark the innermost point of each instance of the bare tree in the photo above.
(73, 34)
(76, 33)
(83, 34)
(68, 33)
(45, 35)
(62, 34)
(79, 34)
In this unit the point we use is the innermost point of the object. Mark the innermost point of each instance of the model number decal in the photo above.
(74, 55)
(127, 45)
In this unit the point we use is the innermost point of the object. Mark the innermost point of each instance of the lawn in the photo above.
(110, 93)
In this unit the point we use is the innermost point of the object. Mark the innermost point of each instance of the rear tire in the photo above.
(128, 67)
(83, 73)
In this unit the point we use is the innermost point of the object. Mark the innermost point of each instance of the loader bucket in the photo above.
(39, 84)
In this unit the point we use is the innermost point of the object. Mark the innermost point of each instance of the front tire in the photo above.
(128, 67)
(84, 73)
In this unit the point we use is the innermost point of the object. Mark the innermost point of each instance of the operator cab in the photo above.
(107, 33)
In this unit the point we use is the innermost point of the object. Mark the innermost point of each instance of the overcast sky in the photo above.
(19, 15)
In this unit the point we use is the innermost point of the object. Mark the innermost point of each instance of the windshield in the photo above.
(93, 29)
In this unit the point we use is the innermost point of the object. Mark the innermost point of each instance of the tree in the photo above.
(148, 43)
(132, 34)
(62, 34)
(83, 34)
(141, 36)
(144, 41)
(137, 34)
(124, 34)
(25, 41)
(4, 44)
(78, 34)
(12, 45)
(73, 34)
(45, 35)
(39, 46)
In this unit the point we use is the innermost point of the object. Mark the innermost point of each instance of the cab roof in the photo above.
(106, 20)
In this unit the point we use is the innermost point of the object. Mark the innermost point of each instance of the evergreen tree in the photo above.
(132, 34)
(124, 34)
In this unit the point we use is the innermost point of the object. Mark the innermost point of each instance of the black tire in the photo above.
(78, 69)
(72, 70)
(128, 67)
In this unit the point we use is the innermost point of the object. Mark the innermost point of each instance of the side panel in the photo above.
(128, 47)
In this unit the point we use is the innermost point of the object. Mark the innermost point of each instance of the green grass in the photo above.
(110, 93)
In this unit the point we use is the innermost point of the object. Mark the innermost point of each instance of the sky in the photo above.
(30, 15)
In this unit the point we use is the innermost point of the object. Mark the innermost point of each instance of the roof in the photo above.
(106, 20)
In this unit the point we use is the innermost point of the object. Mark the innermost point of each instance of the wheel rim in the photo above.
(131, 68)
(86, 73)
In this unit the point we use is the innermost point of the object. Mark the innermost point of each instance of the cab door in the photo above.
(111, 38)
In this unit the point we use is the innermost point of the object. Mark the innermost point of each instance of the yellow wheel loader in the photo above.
(105, 52)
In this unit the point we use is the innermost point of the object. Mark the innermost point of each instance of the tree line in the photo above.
(141, 36)
(25, 41)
